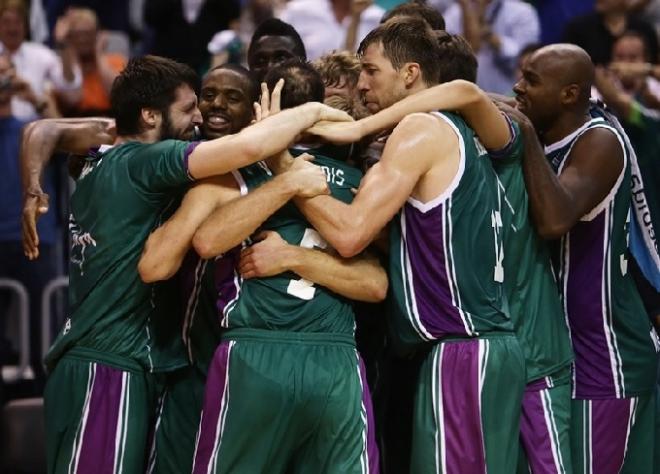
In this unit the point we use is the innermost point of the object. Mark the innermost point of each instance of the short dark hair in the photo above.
(417, 9)
(455, 58)
(407, 40)
(254, 89)
(275, 27)
(302, 83)
(147, 81)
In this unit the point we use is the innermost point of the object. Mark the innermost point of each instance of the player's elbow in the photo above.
(377, 289)
(204, 246)
(152, 271)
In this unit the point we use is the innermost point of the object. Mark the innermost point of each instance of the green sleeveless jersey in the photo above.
(612, 337)
(286, 301)
(529, 281)
(446, 255)
(121, 196)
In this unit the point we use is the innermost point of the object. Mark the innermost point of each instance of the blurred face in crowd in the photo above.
(629, 49)
(225, 103)
(180, 119)
(380, 84)
(607, 6)
(82, 34)
(269, 52)
(538, 91)
(12, 29)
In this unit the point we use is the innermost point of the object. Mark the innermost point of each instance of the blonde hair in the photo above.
(337, 65)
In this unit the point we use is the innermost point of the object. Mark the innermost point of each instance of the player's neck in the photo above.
(563, 127)
(150, 136)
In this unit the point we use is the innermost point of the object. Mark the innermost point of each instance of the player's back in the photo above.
(446, 255)
(612, 336)
(286, 302)
(121, 196)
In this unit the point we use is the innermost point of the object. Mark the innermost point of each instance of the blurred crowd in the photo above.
(58, 58)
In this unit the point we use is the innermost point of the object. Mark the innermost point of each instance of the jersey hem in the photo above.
(289, 336)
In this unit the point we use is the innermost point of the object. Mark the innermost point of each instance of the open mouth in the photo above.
(217, 122)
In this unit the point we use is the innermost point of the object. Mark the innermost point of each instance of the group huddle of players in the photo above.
(212, 327)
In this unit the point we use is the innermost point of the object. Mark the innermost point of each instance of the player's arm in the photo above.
(236, 220)
(39, 141)
(360, 278)
(415, 144)
(258, 141)
(167, 246)
(558, 202)
(475, 106)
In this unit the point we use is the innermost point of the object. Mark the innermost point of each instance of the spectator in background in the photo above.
(417, 9)
(630, 95)
(77, 34)
(35, 63)
(273, 43)
(34, 275)
(497, 30)
(182, 29)
(596, 32)
(327, 25)
(555, 14)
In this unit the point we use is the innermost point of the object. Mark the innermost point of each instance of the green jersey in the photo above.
(613, 340)
(529, 282)
(121, 196)
(286, 301)
(446, 255)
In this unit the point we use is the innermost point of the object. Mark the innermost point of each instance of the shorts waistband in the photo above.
(488, 335)
(291, 337)
(92, 355)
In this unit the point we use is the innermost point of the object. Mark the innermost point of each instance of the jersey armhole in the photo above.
(240, 181)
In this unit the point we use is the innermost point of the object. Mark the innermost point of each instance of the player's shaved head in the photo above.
(568, 64)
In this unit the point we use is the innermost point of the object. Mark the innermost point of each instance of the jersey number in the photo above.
(304, 289)
(496, 222)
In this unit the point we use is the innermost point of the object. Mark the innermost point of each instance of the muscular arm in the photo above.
(39, 141)
(412, 149)
(591, 170)
(167, 246)
(258, 141)
(359, 278)
(475, 106)
(237, 219)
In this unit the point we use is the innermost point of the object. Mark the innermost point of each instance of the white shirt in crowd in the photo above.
(42, 69)
(321, 33)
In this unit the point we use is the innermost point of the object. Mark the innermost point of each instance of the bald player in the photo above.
(579, 184)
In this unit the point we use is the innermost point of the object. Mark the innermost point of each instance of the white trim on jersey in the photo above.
(567, 139)
(424, 207)
(191, 306)
(439, 412)
(80, 434)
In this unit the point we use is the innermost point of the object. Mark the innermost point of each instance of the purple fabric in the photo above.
(424, 242)
(97, 452)
(212, 411)
(536, 438)
(609, 428)
(186, 156)
(225, 268)
(464, 441)
(584, 296)
(372, 447)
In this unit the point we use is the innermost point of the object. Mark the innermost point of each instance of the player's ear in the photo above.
(410, 73)
(150, 117)
(570, 94)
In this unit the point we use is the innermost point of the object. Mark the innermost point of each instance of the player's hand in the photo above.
(340, 133)
(309, 180)
(269, 103)
(35, 205)
(267, 257)
(515, 115)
